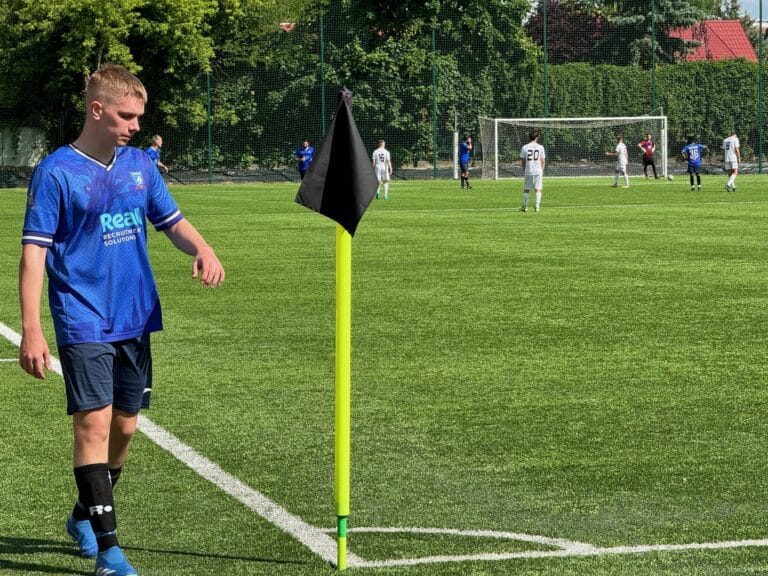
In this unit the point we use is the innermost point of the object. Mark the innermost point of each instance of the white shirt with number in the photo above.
(533, 153)
(381, 161)
(621, 156)
(730, 145)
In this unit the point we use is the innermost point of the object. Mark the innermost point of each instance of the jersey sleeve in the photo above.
(41, 218)
(162, 211)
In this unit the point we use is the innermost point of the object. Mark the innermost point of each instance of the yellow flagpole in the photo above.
(343, 387)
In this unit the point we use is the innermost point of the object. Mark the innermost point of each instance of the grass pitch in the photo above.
(580, 391)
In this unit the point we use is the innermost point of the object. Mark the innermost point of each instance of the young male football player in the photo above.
(86, 224)
(648, 146)
(532, 159)
(621, 162)
(382, 166)
(465, 148)
(693, 153)
(303, 156)
(731, 159)
(154, 152)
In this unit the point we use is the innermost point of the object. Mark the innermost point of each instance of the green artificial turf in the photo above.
(594, 373)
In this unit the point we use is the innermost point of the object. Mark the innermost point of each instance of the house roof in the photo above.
(720, 40)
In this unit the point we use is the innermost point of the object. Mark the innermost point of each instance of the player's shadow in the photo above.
(214, 556)
(33, 546)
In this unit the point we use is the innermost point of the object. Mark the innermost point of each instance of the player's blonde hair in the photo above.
(111, 82)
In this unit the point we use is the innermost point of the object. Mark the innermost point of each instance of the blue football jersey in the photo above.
(92, 218)
(154, 154)
(692, 153)
(464, 153)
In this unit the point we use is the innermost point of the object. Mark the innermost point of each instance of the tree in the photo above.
(571, 32)
(480, 51)
(49, 47)
(639, 32)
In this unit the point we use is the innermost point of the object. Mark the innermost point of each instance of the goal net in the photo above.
(574, 146)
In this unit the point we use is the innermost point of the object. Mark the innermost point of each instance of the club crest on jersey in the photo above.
(138, 180)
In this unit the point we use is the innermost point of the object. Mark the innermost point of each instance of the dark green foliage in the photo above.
(701, 99)
(571, 33)
(639, 32)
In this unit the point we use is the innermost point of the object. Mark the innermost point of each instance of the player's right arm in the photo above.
(34, 354)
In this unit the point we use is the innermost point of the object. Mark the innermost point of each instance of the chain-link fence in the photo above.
(418, 82)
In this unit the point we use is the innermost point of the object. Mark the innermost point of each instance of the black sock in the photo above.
(95, 496)
(79, 512)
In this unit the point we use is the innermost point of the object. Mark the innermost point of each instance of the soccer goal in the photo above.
(574, 146)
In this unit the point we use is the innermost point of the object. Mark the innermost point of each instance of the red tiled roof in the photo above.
(720, 40)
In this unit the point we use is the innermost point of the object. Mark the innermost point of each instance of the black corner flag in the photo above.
(340, 182)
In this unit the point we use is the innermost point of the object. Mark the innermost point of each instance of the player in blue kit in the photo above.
(86, 225)
(154, 152)
(303, 156)
(465, 148)
(693, 153)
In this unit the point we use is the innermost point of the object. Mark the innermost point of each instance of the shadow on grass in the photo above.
(214, 556)
(20, 546)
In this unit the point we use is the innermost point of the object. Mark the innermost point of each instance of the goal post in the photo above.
(574, 146)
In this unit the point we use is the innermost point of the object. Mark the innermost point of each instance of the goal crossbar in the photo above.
(501, 139)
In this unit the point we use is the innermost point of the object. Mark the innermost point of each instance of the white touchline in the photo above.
(323, 545)
(313, 538)
(566, 548)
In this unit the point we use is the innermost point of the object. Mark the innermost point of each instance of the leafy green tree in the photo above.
(639, 32)
(48, 48)
(479, 51)
(572, 31)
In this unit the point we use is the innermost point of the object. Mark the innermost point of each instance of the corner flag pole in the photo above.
(343, 355)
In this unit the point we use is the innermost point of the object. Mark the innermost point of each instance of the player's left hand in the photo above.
(207, 266)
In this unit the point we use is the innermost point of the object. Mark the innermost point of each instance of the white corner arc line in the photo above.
(568, 548)
(313, 538)
(321, 544)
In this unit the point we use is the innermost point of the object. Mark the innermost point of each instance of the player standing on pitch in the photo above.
(532, 158)
(87, 209)
(693, 153)
(621, 162)
(381, 161)
(648, 146)
(731, 159)
(465, 148)
(154, 152)
(303, 156)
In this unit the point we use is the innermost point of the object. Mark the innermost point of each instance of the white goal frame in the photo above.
(491, 163)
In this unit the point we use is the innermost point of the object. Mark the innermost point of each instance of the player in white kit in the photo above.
(382, 165)
(622, 159)
(532, 158)
(731, 159)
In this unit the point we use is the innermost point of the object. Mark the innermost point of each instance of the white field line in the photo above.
(562, 207)
(323, 545)
(313, 538)
(567, 548)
